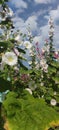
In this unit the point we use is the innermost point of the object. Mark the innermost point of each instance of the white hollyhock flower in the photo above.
(31, 52)
(29, 90)
(43, 50)
(27, 44)
(30, 62)
(50, 34)
(8, 78)
(52, 30)
(53, 102)
(44, 65)
(50, 22)
(36, 62)
(16, 68)
(42, 62)
(42, 96)
(10, 13)
(55, 93)
(45, 68)
(9, 58)
(37, 66)
(17, 38)
(42, 84)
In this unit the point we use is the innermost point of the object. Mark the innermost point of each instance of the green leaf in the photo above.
(4, 85)
(55, 64)
(56, 79)
(51, 70)
(22, 65)
(24, 71)
(21, 50)
(5, 44)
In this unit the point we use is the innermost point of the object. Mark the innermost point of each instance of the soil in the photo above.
(6, 126)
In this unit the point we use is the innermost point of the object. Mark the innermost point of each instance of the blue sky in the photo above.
(36, 13)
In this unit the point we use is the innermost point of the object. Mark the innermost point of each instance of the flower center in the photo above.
(26, 44)
(10, 59)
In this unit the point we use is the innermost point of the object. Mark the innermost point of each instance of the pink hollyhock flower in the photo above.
(56, 55)
(36, 43)
(46, 40)
(24, 77)
(16, 51)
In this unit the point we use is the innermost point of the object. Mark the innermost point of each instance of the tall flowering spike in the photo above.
(32, 61)
(51, 25)
(51, 34)
(45, 50)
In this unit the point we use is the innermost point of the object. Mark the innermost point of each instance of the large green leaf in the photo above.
(5, 44)
(29, 113)
(4, 85)
(21, 50)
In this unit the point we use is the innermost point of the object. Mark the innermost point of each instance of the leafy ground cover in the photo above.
(28, 113)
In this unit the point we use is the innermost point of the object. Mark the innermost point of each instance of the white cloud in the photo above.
(45, 29)
(19, 4)
(31, 22)
(44, 35)
(56, 37)
(36, 39)
(41, 12)
(18, 22)
(44, 1)
(55, 14)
